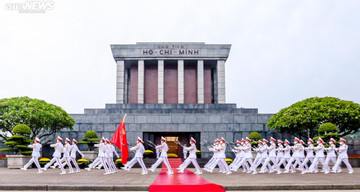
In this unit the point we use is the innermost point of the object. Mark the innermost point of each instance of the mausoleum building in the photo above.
(175, 90)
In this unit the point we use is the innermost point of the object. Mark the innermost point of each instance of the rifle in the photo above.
(177, 142)
(151, 144)
(128, 145)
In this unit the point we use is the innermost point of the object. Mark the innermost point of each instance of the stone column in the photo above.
(141, 81)
(180, 81)
(221, 81)
(160, 81)
(120, 72)
(200, 81)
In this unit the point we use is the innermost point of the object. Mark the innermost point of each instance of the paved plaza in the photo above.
(15, 179)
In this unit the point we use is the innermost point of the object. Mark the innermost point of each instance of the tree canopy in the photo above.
(303, 118)
(44, 119)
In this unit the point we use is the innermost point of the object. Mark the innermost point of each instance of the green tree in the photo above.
(303, 118)
(19, 142)
(43, 118)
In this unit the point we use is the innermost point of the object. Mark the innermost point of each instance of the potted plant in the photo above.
(82, 163)
(90, 138)
(18, 144)
(118, 163)
(149, 154)
(3, 161)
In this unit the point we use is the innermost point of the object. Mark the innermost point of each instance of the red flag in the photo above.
(119, 140)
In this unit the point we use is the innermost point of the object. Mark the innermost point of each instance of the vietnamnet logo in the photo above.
(31, 6)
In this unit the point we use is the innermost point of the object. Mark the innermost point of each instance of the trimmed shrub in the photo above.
(327, 128)
(254, 135)
(19, 142)
(91, 138)
(22, 129)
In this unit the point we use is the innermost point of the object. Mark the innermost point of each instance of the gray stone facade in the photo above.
(210, 120)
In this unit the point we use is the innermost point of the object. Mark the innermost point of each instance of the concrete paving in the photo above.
(15, 179)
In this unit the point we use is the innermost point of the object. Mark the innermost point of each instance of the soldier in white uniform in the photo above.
(239, 154)
(295, 157)
(247, 155)
(319, 157)
(309, 154)
(212, 149)
(192, 158)
(66, 151)
(342, 157)
(36, 146)
(302, 156)
(110, 150)
(58, 146)
(279, 153)
(101, 157)
(272, 157)
(163, 147)
(258, 155)
(287, 155)
(331, 156)
(220, 159)
(74, 150)
(139, 152)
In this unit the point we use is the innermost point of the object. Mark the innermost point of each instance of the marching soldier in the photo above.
(279, 154)
(58, 146)
(319, 157)
(342, 157)
(74, 150)
(163, 147)
(110, 150)
(213, 158)
(35, 155)
(139, 151)
(272, 157)
(295, 157)
(192, 158)
(247, 155)
(331, 156)
(67, 150)
(309, 153)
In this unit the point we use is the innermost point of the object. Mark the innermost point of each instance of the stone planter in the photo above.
(3, 162)
(90, 155)
(17, 161)
(354, 162)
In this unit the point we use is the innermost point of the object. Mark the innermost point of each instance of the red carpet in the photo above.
(187, 181)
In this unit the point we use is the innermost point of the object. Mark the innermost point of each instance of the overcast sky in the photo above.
(282, 51)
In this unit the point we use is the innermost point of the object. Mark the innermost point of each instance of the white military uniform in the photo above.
(74, 150)
(247, 156)
(34, 156)
(295, 157)
(319, 157)
(331, 156)
(272, 157)
(101, 157)
(192, 158)
(211, 148)
(139, 152)
(286, 157)
(239, 154)
(342, 157)
(163, 147)
(56, 156)
(67, 150)
(309, 155)
(220, 159)
(279, 154)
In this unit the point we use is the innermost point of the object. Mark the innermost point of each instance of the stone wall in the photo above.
(211, 120)
(354, 146)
